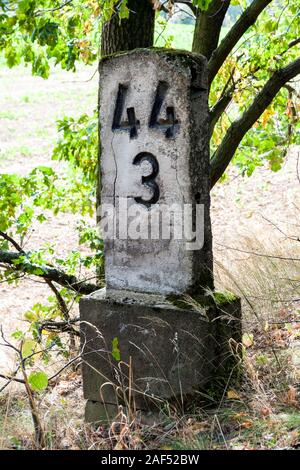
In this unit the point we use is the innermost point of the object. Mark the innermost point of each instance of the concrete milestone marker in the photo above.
(154, 155)
(137, 341)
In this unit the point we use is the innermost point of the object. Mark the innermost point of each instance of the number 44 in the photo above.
(169, 125)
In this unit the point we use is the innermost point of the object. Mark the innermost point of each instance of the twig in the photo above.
(12, 241)
(289, 237)
(50, 10)
(60, 300)
(258, 254)
(38, 428)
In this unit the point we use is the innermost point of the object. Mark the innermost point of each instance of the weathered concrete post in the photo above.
(152, 336)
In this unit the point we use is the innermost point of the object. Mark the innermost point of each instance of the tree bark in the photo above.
(208, 27)
(127, 34)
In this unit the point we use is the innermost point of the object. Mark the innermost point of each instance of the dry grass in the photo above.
(261, 413)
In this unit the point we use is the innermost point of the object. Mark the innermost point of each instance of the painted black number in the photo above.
(132, 124)
(149, 180)
(168, 125)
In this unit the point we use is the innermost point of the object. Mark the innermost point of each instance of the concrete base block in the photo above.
(99, 413)
(144, 352)
(102, 413)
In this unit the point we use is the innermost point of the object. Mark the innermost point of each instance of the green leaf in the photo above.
(41, 218)
(17, 334)
(123, 10)
(38, 271)
(38, 381)
(115, 349)
(202, 4)
(46, 33)
(28, 348)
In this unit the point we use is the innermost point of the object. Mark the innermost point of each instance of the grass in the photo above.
(8, 115)
(15, 151)
(262, 412)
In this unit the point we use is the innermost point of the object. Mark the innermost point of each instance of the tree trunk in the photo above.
(127, 34)
(208, 27)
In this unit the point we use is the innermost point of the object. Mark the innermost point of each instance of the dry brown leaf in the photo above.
(247, 424)
(120, 446)
(237, 416)
(232, 395)
(290, 397)
(199, 427)
(265, 411)
(248, 340)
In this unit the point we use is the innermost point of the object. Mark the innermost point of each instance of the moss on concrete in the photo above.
(208, 300)
(181, 53)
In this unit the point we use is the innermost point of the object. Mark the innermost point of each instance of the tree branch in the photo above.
(62, 304)
(226, 96)
(290, 45)
(59, 327)
(50, 10)
(246, 20)
(222, 103)
(46, 272)
(208, 27)
(9, 379)
(262, 255)
(12, 241)
(294, 42)
(60, 300)
(218, 109)
(240, 127)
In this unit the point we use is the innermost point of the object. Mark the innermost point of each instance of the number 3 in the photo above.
(149, 180)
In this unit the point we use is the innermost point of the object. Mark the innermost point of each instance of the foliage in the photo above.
(31, 199)
(41, 32)
(174, 35)
(65, 32)
(265, 48)
(202, 4)
(25, 198)
(79, 144)
(115, 349)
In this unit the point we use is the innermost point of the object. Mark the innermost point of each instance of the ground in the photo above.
(255, 225)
